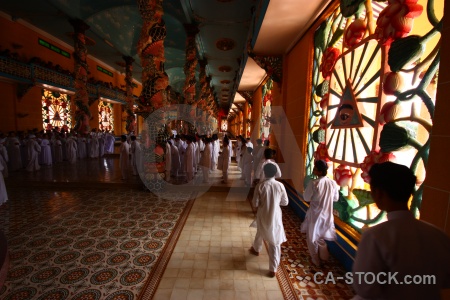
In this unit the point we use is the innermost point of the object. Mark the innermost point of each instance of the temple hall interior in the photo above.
(118, 118)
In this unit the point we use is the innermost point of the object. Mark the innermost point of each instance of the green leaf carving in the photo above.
(404, 51)
(364, 197)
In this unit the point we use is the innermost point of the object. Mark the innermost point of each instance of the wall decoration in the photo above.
(105, 116)
(374, 86)
(266, 111)
(55, 110)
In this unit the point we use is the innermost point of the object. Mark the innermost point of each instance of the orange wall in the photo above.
(19, 38)
(256, 114)
(436, 195)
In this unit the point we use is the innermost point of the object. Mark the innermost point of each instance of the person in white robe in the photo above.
(109, 143)
(226, 159)
(71, 148)
(94, 146)
(33, 154)
(101, 144)
(215, 147)
(124, 160)
(402, 246)
(81, 146)
(181, 145)
(4, 158)
(268, 158)
(175, 159)
(168, 162)
(24, 150)
(258, 154)
(206, 160)
(319, 220)
(247, 166)
(269, 195)
(46, 151)
(189, 160)
(13, 146)
(58, 151)
(136, 155)
(3, 192)
(238, 152)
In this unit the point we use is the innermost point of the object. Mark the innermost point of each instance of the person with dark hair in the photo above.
(267, 158)
(319, 220)
(124, 160)
(269, 195)
(226, 158)
(403, 245)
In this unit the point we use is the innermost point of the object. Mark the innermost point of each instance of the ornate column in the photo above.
(131, 119)
(151, 52)
(191, 63)
(82, 113)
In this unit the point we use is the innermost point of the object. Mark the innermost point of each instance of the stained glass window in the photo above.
(105, 116)
(266, 110)
(55, 110)
(373, 94)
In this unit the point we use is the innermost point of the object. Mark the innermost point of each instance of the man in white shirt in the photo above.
(401, 247)
(267, 198)
(319, 220)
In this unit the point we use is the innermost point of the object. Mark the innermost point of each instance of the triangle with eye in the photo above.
(347, 114)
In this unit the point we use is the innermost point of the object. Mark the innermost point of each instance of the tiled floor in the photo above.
(209, 261)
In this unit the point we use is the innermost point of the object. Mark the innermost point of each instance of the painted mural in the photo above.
(105, 116)
(266, 110)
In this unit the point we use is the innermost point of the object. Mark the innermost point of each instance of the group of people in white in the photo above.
(186, 155)
(20, 151)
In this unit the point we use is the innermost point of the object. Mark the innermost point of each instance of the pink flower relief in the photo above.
(329, 59)
(322, 152)
(375, 157)
(342, 175)
(396, 20)
(354, 33)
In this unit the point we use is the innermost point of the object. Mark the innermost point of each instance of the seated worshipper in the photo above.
(319, 220)
(124, 160)
(402, 247)
(33, 149)
(267, 198)
(267, 158)
(247, 164)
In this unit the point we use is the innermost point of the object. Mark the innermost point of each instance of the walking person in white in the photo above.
(226, 158)
(269, 195)
(206, 160)
(13, 146)
(168, 162)
(319, 220)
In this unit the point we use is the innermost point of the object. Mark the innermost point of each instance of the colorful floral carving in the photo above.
(328, 61)
(375, 157)
(342, 175)
(324, 101)
(389, 112)
(396, 20)
(393, 83)
(354, 33)
(323, 123)
(322, 152)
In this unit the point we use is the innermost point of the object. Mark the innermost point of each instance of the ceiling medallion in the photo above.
(225, 44)
(225, 82)
(225, 69)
